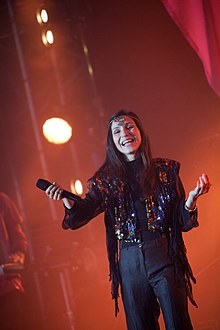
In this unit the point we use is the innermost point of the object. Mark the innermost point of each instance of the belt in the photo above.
(139, 242)
(125, 244)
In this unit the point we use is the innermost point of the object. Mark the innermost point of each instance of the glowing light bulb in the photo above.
(47, 37)
(57, 130)
(42, 16)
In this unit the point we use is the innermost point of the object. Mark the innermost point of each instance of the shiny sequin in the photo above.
(117, 196)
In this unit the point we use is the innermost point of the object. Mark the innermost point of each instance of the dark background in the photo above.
(141, 62)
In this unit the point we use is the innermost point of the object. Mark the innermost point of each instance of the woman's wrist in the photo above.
(191, 201)
(190, 208)
(68, 203)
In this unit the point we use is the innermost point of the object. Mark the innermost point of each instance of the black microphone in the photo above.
(11, 269)
(44, 184)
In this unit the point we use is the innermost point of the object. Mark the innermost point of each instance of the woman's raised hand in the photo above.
(54, 191)
(202, 186)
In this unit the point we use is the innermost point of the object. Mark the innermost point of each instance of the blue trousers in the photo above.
(148, 283)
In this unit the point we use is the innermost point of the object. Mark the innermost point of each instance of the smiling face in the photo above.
(126, 136)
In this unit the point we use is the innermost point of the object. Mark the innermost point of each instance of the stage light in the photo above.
(57, 130)
(76, 187)
(47, 37)
(42, 16)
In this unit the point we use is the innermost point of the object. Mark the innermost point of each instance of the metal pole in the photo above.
(30, 101)
(69, 312)
(62, 100)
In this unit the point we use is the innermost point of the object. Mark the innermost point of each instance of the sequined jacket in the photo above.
(165, 213)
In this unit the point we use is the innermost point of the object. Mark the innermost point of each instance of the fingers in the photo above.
(16, 257)
(54, 191)
(202, 187)
(203, 184)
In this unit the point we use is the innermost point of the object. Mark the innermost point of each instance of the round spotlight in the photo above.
(47, 37)
(57, 130)
(76, 187)
(42, 16)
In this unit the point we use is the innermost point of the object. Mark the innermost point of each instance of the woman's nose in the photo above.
(124, 131)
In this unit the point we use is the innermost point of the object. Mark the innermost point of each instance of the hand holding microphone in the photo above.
(14, 266)
(55, 192)
(11, 269)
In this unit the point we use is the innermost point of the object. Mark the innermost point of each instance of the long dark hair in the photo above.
(115, 161)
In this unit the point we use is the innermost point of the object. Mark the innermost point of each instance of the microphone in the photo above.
(11, 269)
(44, 184)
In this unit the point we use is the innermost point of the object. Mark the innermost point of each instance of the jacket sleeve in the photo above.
(188, 220)
(85, 209)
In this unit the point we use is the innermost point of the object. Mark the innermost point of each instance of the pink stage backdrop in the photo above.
(199, 21)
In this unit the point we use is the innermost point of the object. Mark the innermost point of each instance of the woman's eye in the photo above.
(116, 131)
(130, 126)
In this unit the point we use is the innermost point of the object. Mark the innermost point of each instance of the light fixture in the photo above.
(42, 15)
(76, 187)
(47, 37)
(57, 130)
